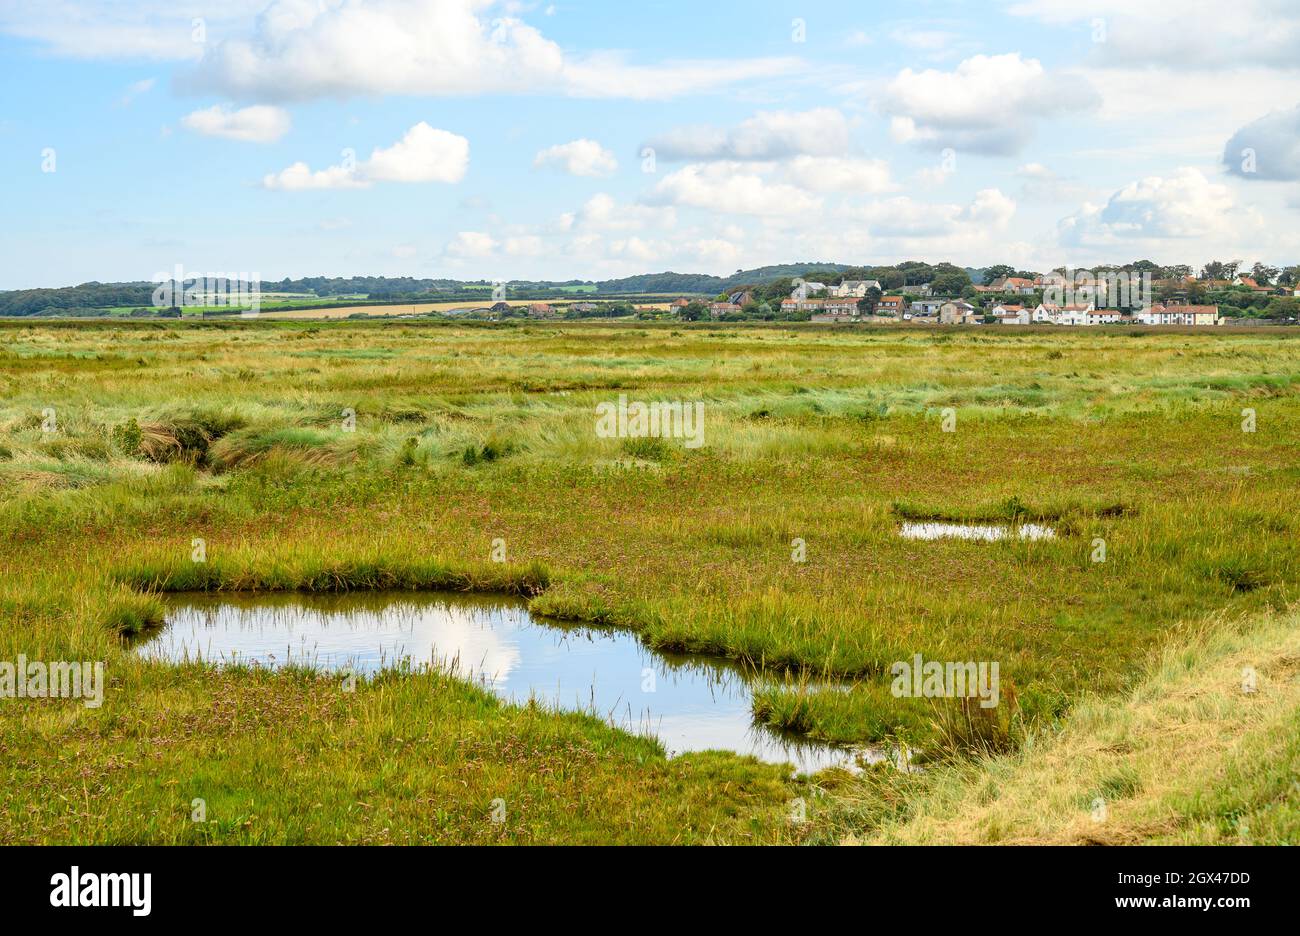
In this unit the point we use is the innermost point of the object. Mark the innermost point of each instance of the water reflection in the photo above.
(689, 702)
(975, 531)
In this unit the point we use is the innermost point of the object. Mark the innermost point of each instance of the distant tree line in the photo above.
(763, 288)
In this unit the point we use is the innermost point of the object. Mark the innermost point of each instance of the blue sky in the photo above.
(465, 138)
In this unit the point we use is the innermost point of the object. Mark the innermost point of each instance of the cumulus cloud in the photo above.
(840, 174)
(715, 252)
(1183, 205)
(639, 249)
(733, 187)
(527, 245)
(472, 244)
(602, 212)
(989, 212)
(580, 158)
(301, 50)
(1267, 149)
(300, 177)
(424, 154)
(823, 131)
(987, 104)
(990, 208)
(260, 123)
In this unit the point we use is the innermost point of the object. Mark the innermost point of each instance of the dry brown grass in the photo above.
(1174, 760)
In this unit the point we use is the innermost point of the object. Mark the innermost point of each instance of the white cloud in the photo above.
(715, 252)
(1183, 205)
(923, 40)
(1266, 149)
(154, 30)
(472, 244)
(302, 50)
(260, 123)
(642, 251)
(528, 245)
(143, 86)
(990, 209)
(1043, 184)
(987, 104)
(580, 158)
(300, 177)
(732, 187)
(602, 212)
(823, 131)
(840, 174)
(1179, 34)
(989, 212)
(424, 154)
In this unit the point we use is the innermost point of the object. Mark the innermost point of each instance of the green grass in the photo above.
(237, 433)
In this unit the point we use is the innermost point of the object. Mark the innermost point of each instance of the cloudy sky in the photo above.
(580, 139)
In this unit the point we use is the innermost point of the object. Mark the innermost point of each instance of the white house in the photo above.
(1179, 315)
(1074, 314)
(1103, 317)
(1011, 314)
(804, 290)
(853, 289)
(1053, 314)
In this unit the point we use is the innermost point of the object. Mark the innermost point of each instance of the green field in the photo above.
(1121, 678)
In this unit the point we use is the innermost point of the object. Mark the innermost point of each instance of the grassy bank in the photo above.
(1204, 750)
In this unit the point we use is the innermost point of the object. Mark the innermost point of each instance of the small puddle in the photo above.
(975, 531)
(697, 703)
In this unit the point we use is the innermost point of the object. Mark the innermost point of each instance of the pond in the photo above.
(975, 531)
(690, 702)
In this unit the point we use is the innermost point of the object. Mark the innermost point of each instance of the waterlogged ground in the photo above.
(688, 702)
(143, 457)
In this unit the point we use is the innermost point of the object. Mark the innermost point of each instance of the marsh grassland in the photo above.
(1122, 679)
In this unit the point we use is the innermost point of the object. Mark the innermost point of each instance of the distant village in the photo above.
(1143, 294)
(848, 301)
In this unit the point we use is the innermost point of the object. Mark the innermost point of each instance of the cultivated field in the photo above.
(121, 443)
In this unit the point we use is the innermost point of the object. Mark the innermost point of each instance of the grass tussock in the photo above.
(325, 571)
(301, 445)
(184, 438)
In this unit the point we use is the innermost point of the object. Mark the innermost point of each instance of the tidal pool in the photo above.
(690, 702)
